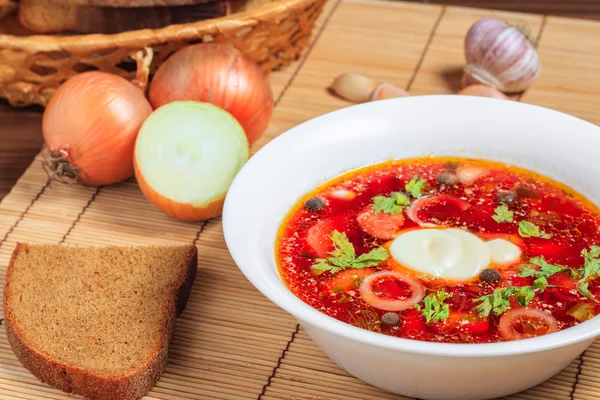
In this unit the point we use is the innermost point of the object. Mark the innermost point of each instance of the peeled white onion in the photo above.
(187, 154)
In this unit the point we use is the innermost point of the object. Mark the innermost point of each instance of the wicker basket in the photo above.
(32, 67)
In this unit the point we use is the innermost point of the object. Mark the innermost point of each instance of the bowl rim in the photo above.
(280, 295)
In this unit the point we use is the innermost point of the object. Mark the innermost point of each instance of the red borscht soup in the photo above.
(445, 250)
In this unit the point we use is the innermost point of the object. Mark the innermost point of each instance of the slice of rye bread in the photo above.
(114, 20)
(144, 3)
(49, 16)
(96, 321)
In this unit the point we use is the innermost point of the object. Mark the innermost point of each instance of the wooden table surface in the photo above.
(20, 141)
(20, 132)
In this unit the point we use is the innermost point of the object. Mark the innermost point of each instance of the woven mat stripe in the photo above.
(426, 49)
(3, 204)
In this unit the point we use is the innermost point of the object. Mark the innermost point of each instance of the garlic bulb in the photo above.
(501, 56)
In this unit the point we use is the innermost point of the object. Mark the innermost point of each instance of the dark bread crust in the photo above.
(7, 7)
(114, 20)
(145, 3)
(71, 379)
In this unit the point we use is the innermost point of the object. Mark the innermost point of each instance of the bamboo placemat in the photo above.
(231, 342)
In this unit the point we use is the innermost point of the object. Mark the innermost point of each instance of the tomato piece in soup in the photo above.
(318, 237)
(349, 279)
(379, 224)
(462, 322)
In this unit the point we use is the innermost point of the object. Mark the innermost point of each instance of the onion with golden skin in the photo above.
(221, 75)
(90, 126)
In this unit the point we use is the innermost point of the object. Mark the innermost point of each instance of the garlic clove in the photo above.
(353, 87)
(388, 91)
(482, 91)
(468, 79)
(500, 55)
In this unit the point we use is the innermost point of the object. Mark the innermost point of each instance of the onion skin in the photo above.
(221, 75)
(183, 212)
(415, 206)
(367, 294)
(92, 122)
(506, 324)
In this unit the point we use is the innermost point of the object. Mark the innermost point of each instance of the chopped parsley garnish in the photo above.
(415, 186)
(590, 270)
(390, 205)
(498, 301)
(344, 256)
(527, 229)
(503, 214)
(544, 271)
(434, 309)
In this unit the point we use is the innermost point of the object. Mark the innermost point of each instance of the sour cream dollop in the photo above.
(452, 254)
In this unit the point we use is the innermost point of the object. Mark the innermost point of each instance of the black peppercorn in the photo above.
(506, 197)
(489, 275)
(527, 192)
(390, 319)
(447, 178)
(315, 204)
(451, 165)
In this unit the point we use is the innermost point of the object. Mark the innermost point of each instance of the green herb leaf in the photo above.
(524, 295)
(540, 283)
(590, 270)
(594, 252)
(343, 249)
(544, 271)
(583, 288)
(390, 205)
(344, 256)
(527, 229)
(498, 301)
(434, 309)
(503, 214)
(323, 265)
(371, 259)
(415, 186)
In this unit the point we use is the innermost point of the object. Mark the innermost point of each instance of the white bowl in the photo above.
(549, 142)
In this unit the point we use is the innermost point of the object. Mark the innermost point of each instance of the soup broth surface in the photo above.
(445, 250)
